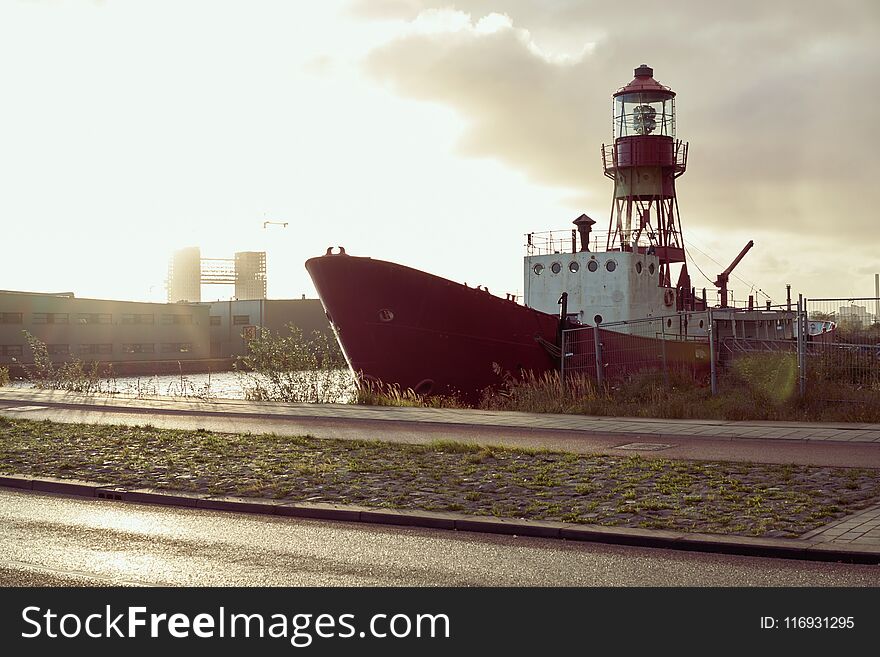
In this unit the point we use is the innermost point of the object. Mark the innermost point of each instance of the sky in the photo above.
(433, 134)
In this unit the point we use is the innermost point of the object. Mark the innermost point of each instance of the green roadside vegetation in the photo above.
(751, 387)
(655, 493)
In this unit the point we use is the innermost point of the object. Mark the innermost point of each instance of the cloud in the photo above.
(509, 94)
(777, 99)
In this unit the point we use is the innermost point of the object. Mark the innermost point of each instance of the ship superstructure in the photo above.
(625, 272)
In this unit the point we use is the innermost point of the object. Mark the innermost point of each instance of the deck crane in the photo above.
(721, 281)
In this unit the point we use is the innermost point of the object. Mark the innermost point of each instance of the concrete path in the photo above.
(658, 428)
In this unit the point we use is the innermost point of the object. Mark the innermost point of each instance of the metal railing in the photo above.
(567, 241)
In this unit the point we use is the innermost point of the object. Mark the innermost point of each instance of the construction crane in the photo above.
(283, 224)
(721, 281)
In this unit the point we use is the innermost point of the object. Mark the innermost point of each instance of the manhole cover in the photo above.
(644, 447)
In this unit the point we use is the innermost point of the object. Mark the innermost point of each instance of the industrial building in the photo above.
(140, 337)
(101, 329)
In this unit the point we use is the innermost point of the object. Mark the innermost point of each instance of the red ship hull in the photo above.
(399, 325)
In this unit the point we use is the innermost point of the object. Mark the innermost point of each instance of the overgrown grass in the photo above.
(73, 375)
(98, 378)
(292, 368)
(377, 394)
(752, 387)
(738, 498)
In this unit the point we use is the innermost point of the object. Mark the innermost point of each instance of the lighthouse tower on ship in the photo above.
(631, 276)
(644, 161)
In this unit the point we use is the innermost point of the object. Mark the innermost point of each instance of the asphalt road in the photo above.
(54, 540)
(841, 454)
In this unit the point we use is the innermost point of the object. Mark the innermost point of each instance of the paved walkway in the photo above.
(861, 529)
(659, 429)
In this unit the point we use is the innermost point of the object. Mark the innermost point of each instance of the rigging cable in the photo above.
(751, 284)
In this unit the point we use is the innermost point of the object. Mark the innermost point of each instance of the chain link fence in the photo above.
(847, 356)
(831, 346)
(671, 344)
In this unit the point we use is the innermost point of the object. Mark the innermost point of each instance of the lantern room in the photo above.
(644, 107)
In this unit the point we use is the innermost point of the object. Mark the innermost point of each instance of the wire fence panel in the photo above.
(832, 348)
(843, 345)
(621, 349)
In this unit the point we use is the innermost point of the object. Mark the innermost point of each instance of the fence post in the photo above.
(802, 344)
(713, 375)
(597, 348)
(562, 361)
(663, 345)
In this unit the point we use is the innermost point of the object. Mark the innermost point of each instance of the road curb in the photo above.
(785, 548)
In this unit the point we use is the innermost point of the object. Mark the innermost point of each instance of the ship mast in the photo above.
(644, 161)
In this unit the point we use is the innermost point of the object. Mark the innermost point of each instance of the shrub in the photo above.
(73, 375)
(292, 368)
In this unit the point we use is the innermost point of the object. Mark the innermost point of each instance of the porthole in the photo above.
(538, 269)
(638, 267)
(610, 265)
(668, 323)
(597, 319)
(592, 265)
(701, 323)
(573, 267)
(556, 268)
(651, 269)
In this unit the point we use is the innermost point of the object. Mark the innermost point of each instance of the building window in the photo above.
(176, 347)
(58, 349)
(143, 348)
(10, 350)
(10, 318)
(177, 319)
(51, 318)
(96, 349)
(216, 320)
(240, 320)
(138, 318)
(93, 318)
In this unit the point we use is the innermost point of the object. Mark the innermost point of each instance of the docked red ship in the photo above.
(399, 325)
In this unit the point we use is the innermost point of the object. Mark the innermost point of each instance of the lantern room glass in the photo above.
(644, 113)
